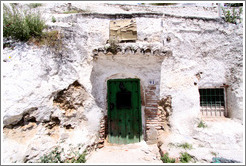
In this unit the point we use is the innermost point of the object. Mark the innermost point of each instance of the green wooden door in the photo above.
(124, 111)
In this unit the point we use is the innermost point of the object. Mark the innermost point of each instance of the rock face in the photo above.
(165, 110)
(220, 137)
(58, 97)
(70, 101)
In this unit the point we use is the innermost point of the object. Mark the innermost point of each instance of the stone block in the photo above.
(152, 135)
(123, 30)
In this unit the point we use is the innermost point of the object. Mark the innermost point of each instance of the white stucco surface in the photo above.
(33, 76)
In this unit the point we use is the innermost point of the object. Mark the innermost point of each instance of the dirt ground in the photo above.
(130, 153)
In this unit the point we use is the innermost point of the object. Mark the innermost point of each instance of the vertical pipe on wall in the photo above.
(225, 99)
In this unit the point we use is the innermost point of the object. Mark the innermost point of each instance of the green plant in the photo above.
(34, 5)
(75, 11)
(53, 157)
(165, 159)
(52, 39)
(185, 157)
(214, 154)
(71, 11)
(53, 19)
(113, 45)
(21, 25)
(79, 158)
(171, 145)
(201, 124)
(234, 16)
(185, 146)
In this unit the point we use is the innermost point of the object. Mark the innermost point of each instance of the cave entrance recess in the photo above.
(124, 111)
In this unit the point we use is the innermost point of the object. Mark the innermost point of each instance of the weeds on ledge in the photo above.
(53, 19)
(234, 16)
(53, 157)
(165, 159)
(214, 154)
(185, 157)
(52, 39)
(202, 124)
(79, 158)
(113, 45)
(21, 25)
(185, 146)
(75, 11)
(34, 5)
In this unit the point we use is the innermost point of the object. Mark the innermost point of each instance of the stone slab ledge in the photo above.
(133, 48)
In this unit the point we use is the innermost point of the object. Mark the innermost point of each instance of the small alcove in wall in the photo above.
(126, 66)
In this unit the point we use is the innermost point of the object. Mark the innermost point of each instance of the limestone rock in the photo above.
(56, 97)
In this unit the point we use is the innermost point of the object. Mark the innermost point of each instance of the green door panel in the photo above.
(124, 111)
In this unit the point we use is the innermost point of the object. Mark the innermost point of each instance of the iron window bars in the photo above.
(212, 101)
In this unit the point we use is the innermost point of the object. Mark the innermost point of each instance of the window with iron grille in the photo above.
(212, 101)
